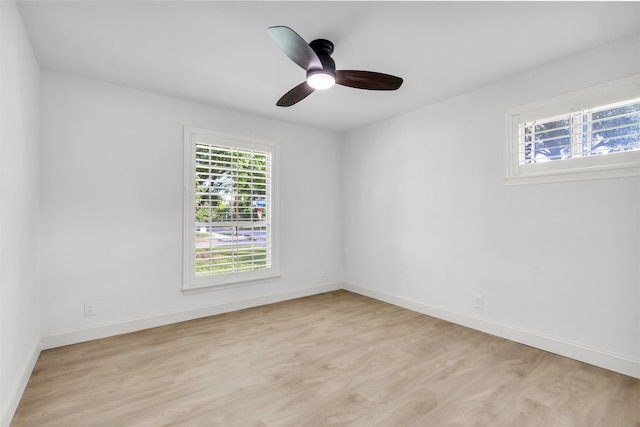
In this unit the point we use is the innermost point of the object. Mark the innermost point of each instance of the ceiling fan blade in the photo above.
(295, 95)
(367, 80)
(295, 47)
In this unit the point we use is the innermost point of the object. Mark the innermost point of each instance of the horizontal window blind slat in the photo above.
(232, 197)
(596, 131)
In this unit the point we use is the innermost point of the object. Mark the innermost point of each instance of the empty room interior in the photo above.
(194, 233)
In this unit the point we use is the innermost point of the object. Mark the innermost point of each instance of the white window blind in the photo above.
(607, 129)
(592, 133)
(231, 233)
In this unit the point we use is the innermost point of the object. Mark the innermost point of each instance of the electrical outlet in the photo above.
(89, 308)
(479, 301)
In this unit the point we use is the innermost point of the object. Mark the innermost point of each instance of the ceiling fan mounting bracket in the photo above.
(322, 47)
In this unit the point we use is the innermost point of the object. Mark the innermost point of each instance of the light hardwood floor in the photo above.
(335, 359)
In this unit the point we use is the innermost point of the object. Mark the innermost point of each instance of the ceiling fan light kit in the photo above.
(315, 59)
(320, 80)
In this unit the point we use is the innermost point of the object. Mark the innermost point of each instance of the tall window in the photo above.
(593, 133)
(230, 230)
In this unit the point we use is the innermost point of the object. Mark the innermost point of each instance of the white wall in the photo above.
(429, 220)
(112, 203)
(19, 184)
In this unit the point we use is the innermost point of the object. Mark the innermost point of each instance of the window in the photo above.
(593, 133)
(230, 210)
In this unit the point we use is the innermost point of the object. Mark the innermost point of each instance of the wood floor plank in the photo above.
(335, 359)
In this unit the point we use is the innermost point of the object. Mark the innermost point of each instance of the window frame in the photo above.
(615, 165)
(191, 283)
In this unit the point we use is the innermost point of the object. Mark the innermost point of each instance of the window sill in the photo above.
(218, 287)
(550, 175)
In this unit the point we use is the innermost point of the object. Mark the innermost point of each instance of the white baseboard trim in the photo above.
(9, 410)
(592, 356)
(122, 327)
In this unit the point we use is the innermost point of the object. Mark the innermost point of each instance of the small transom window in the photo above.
(593, 133)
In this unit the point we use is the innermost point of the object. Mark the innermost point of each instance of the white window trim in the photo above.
(191, 284)
(625, 164)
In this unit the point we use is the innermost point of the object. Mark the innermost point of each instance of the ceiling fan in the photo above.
(316, 60)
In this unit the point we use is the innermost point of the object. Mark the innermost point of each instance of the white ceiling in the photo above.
(220, 53)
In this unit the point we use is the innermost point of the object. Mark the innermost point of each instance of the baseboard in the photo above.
(592, 356)
(133, 325)
(9, 410)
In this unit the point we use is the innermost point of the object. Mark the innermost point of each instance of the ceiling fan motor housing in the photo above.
(323, 48)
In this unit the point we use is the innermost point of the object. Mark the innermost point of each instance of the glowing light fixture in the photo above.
(321, 80)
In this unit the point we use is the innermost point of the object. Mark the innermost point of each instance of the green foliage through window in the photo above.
(232, 209)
